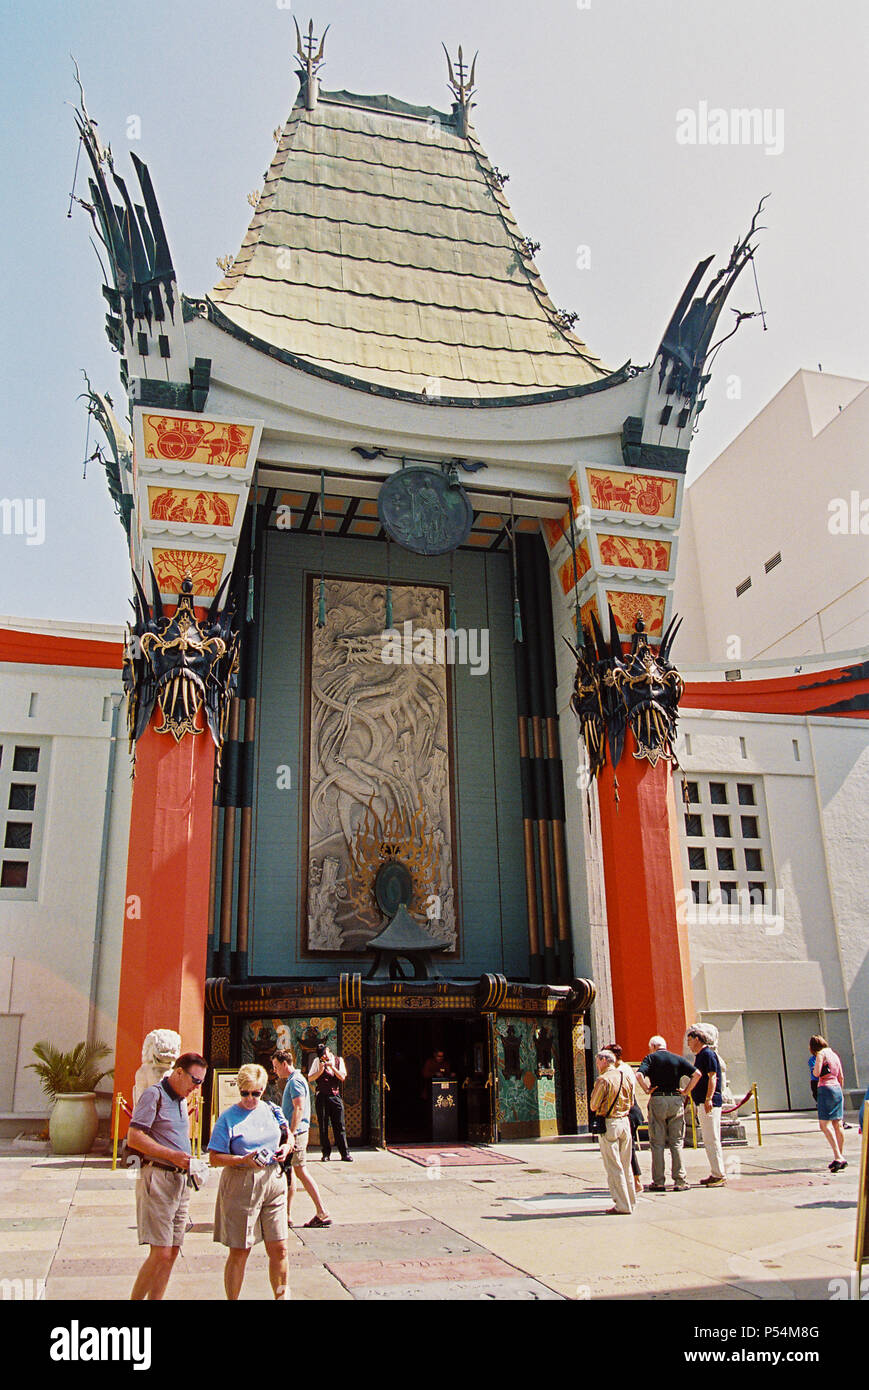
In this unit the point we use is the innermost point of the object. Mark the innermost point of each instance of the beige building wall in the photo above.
(795, 482)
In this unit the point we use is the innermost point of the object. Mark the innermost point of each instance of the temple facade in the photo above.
(400, 687)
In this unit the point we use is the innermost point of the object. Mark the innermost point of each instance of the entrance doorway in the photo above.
(408, 1044)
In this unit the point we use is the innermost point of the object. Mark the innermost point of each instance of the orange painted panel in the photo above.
(639, 493)
(628, 607)
(184, 504)
(634, 552)
(204, 567)
(196, 441)
(583, 565)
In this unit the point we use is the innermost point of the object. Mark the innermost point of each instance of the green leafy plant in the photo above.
(64, 1073)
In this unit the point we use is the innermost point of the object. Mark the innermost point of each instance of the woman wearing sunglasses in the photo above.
(249, 1142)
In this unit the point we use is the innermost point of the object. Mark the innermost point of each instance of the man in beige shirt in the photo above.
(612, 1098)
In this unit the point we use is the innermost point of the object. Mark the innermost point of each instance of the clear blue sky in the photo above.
(578, 102)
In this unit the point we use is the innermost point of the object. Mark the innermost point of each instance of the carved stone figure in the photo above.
(160, 1051)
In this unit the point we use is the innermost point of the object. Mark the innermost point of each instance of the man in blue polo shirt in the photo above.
(296, 1105)
(706, 1095)
(159, 1136)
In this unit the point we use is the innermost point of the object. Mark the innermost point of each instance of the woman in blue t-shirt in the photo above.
(249, 1142)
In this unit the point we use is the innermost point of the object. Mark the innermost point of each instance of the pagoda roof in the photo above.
(382, 251)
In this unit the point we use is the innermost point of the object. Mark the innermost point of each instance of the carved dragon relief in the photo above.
(379, 766)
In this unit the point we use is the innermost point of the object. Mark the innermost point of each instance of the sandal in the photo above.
(318, 1221)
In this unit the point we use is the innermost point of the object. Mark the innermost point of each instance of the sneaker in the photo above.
(318, 1222)
(346, 1158)
(324, 1158)
(681, 1187)
(712, 1181)
(654, 1187)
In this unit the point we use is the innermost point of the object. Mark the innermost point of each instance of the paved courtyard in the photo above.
(782, 1229)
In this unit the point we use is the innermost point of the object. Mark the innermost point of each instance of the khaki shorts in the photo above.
(251, 1206)
(299, 1155)
(162, 1199)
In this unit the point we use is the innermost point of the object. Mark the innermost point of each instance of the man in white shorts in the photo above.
(296, 1105)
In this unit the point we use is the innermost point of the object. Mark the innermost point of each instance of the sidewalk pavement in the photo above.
(782, 1229)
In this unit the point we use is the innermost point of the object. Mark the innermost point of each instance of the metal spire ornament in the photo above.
(517, 612)
(321, 605)
(309, 63)
(463, 89)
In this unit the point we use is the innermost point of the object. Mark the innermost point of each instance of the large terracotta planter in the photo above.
(73, 1124)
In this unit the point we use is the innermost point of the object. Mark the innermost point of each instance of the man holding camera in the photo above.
(328, 1072)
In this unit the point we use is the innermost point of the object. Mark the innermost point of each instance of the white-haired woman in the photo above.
(249, 1142)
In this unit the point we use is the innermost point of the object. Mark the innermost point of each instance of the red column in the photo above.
(642, 873)
(166, 926)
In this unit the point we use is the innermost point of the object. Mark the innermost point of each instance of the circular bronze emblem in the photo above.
(424, 512)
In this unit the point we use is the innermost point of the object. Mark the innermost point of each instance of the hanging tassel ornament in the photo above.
(321, 606)
(453, 622)
(250, 574)
(517, 614)
(389, 622)
(580, 636)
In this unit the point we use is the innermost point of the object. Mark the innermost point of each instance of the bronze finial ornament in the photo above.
(309, 62)
(463, 88)
(181, 664)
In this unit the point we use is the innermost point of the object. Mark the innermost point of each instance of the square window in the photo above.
(718, 793)
(696, 857)
(693, 794)
(26, 760)
(753, 861)
(694, 826)
(22, 797)
(18, 833)
(758, 893)
(13, 874)
(725, 858)
(700, 891)
(745, 792)
(729, 892)
(721, 826)
(749, 828)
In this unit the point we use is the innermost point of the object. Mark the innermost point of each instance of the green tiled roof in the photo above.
(383, 249)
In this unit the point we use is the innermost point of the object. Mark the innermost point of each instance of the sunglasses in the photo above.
(197, 1080)
(250, 1093)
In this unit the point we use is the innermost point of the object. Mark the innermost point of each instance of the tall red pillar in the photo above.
(166, 927)
(649, 960)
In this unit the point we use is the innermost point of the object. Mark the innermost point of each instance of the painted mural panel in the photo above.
(186, 505)
(627, 607)
(261, 1037)
(174, 437)
(634, 552)
(205, 568)
(379, 762)
(640, 493)
(527, 1077)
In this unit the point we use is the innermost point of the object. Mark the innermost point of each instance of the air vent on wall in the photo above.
(741, 588)
(773, 561)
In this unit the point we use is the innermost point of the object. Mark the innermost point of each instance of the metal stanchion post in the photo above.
(757, 1113)
(116, 1129)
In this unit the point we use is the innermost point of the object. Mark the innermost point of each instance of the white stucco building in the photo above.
(65, 799)
(774, 740)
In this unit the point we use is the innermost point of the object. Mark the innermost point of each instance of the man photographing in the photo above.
(328, 1072)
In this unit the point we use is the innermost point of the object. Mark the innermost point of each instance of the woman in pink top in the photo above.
(827, 1070)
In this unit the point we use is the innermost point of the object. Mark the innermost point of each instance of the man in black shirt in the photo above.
(662, 1075)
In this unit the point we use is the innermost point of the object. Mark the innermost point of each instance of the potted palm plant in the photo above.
(70, 1079)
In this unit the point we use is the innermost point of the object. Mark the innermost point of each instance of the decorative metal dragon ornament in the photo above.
(651, 688)
(180, 663)
(614, 692)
